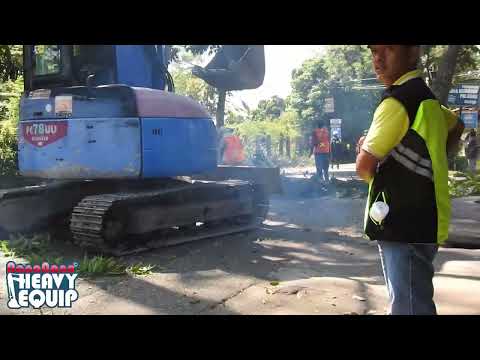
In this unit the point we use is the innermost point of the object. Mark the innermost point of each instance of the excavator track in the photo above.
(89, 219)
(131, 222)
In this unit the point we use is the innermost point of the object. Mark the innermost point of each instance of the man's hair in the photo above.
(321, 123)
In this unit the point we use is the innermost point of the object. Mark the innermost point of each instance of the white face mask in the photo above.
(379, 211)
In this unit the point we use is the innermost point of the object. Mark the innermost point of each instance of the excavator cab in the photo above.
(53, 66)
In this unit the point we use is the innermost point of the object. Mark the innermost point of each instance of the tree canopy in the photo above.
(338, 74)
(269, 109)
(11, 62)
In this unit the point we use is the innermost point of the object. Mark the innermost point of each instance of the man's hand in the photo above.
(366, 165)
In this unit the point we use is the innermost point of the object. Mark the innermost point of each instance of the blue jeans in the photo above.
(322, 164)
(408, 271)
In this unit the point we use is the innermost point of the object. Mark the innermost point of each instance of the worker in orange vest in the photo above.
(320, 145)
(232, 148)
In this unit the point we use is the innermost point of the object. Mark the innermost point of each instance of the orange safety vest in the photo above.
(233, 153)
(321, 140)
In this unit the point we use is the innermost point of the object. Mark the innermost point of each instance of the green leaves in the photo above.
(286, 125)
(335, 75)
(6, 250)
(344, 63)
(100, 265)
(107, 266)
(464, 184)
(269, 109)
(34, 249)
(140, 269)
(11, 62)
(188, 85)
(10, 93)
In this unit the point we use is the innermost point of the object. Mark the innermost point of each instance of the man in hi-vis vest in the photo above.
(404, 160)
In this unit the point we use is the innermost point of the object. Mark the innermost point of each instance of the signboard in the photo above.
(470, 119)
(329, 106)
(464, 95)
(336, 128)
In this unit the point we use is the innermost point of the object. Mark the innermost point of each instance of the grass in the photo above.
(37, 249)
(107, 266)
(100, 266)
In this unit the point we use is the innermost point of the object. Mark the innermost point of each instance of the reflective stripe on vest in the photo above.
(406, 156)
(414, 156)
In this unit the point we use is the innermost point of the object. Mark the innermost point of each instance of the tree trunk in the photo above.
(8, 64)
(307, 143)
(222, 94)
(287, 145)
(299, 146)
(269, 146)
(281, 145)
(443, 81)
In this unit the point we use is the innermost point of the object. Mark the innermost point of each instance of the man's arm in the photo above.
(389, 126)
(454, 138)
(366, 165)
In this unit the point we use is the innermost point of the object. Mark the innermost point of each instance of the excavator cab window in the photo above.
(46, 66)
(97, 60)
(47, 60)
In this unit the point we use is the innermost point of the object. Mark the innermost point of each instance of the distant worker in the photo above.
(336, 151)
(471, 150)
(231, 148)
(260, 157)
(320, 145)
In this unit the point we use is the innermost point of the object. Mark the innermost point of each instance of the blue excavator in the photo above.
(125, 164)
